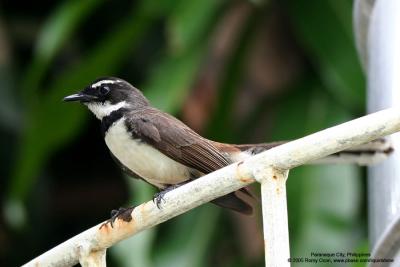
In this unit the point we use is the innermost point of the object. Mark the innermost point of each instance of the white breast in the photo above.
(143, 159)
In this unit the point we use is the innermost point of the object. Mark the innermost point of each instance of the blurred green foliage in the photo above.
(293, 61)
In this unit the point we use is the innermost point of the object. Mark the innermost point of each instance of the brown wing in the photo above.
(176, 140)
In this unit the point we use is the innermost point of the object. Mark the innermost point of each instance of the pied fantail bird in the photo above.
(152, 145)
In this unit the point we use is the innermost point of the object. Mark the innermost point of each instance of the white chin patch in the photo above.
(101, 110)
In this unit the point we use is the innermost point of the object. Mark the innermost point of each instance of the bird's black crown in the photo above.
(111, 89)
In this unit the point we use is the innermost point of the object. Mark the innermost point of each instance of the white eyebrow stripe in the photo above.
(105, 82)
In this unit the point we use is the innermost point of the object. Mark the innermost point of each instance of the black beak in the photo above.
(79, 97)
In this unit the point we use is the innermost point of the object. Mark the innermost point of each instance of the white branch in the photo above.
(222, 182)
(89, 258)
(275, 218)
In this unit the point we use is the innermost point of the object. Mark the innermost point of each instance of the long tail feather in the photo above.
(233, 202)
(366, 154)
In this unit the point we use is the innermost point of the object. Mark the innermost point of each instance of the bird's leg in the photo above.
(121, 213)
(159, 196)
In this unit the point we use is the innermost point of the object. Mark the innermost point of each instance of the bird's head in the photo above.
(109, 94)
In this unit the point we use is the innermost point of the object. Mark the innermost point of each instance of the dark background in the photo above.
(235, 71)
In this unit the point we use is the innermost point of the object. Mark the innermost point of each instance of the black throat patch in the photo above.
(110, 119)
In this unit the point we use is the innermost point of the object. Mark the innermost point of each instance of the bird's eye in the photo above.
(104, 90)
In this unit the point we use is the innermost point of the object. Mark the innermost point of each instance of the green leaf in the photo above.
(222, 119)
(185, 27)
(324, 29)
(170, 81)
(10, 110)
(55, 33)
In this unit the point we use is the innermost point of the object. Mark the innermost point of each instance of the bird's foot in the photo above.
(121, 213)
(159, 196)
